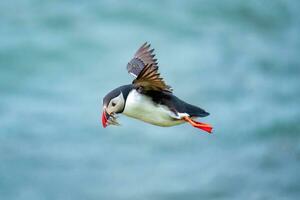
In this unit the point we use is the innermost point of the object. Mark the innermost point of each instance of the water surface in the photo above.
(239, 60)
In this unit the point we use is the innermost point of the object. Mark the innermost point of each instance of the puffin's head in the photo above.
(113, 103)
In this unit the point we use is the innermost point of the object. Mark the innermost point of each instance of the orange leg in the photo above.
(206, 127)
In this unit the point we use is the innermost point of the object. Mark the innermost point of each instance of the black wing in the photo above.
(149, 79)
(143, 66)
(144, 56)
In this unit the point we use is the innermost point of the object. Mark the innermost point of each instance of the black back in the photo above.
(175, 104)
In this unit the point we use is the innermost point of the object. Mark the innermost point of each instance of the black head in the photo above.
(114, 103)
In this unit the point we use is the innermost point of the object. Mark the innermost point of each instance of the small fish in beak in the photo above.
(109, 119)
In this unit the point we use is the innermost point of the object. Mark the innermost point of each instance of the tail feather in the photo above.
(195, 111)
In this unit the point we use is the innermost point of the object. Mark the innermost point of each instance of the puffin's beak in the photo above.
(109, 119)
(105, 117)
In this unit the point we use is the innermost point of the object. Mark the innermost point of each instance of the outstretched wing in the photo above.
(149, 79)
(144, 56)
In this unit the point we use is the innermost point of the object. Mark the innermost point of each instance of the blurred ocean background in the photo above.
(239, 60)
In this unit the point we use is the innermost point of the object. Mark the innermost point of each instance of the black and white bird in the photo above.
(149, 98)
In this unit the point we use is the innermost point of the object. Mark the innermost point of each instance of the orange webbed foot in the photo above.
(206, 127)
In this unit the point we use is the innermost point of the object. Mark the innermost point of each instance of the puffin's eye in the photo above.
(113, 104)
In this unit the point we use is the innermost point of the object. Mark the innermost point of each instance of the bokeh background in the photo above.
(237, 59)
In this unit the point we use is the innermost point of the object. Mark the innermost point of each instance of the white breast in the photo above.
(142, 107)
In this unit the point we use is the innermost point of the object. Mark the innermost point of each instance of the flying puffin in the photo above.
(149, 98)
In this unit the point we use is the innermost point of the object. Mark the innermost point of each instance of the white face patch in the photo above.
(116, 104)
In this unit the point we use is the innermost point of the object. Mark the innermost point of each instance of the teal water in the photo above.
(237, 59)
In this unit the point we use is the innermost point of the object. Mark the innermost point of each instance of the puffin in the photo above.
(148, 98)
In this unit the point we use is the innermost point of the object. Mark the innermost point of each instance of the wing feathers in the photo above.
(144, 67)
(149, 79)
(142, 57)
